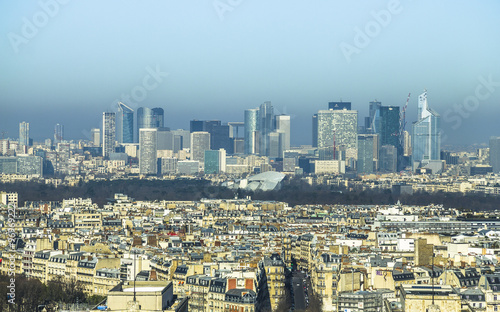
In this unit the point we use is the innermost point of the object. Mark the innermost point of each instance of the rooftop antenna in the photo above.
(433, 294)
(352, 279)
(135, 275)
(334, 147)
(401, 132)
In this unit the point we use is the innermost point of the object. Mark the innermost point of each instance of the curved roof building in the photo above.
(266, 181)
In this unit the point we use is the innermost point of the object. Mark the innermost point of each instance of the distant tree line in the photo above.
(102, 191)
(298, 192)
(294, 192)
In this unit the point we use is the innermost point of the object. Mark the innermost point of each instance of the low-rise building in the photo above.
(324, 278)
(149, 296)
(272, 278)
(366, 301)
(421, 297)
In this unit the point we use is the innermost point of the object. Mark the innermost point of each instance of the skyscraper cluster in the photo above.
(380, 144)
(266, 134)
(383, 123)
(219, 134)
(119, 128)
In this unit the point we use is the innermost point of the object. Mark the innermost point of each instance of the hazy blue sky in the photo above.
(67, 63)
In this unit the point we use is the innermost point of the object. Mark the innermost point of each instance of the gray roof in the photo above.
(266, 181)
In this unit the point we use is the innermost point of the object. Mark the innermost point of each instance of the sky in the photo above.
(67, 61)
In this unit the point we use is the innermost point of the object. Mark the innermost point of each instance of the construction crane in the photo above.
(334, 147)
(3, 134)
(402, 127)
(402, 116)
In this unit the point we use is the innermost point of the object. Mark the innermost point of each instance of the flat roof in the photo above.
(143, 289)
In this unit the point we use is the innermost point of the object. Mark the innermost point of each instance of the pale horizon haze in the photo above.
(68, 61)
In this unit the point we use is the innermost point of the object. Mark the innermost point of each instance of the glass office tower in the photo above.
(426, 137)
(265, 126)
(158, 117)
(24, 133)
(251, 125)
(215, 161)
(388, 125)
(149, 118)
(282, 125)
(125, 124)
(495, 154)
(58, 134)
(365, 153)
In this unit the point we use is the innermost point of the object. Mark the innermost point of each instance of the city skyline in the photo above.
(257, 156)
(155, 119)
(300, 57)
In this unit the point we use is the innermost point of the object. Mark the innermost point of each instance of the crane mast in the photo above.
(402, 127)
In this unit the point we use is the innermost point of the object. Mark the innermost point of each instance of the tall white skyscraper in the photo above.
(251, 132)
(4, 146)
(108, 134)
(147, 151)
(200, 142)
(95, 134)
(315, 130)
(495, 154)
(282, 125)
(341, 125)
(275, 144)
(407, 143)
(426, 136)
(58, 134)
